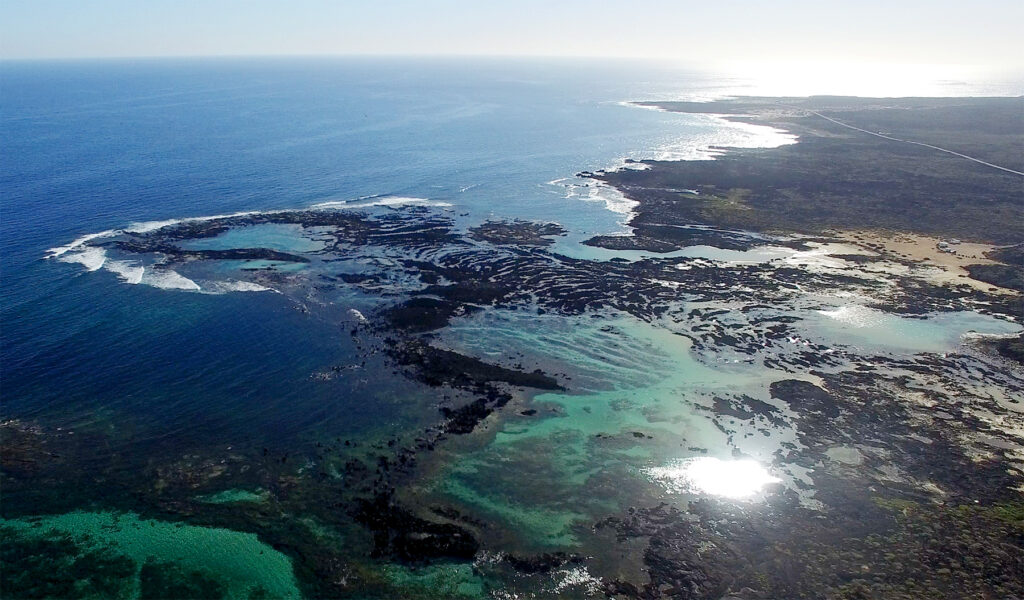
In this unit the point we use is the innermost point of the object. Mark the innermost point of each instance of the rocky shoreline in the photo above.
(904, 468)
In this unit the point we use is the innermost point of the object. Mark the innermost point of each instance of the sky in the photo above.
(982, 33)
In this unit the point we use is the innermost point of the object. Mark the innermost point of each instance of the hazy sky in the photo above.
(984, 32)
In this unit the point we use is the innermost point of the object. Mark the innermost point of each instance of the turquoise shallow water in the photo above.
(286, 238)
(874, 330)
(648, 405)
(244, 567)
(214, 391)
(99, 145)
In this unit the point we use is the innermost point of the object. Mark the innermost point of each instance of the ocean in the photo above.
(181, 384)
(96, 146)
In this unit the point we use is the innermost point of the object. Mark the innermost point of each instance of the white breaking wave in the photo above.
(643, 106)
(147, 226)
(220, 287)
(134, 274)
(166, 279)
(576, 577)
(78, 243)
(696, 98)
(613, 199)
(724, 134)
(140, 227)
(91, 257)
(597, 191)
(128, 272)
(382, 201)
(357, 315)
(94, 258)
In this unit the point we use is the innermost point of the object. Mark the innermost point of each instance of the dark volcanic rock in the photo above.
(837, 177)
(631, 242)
(1011, 348)
(520, 233)
(1010, 255)
(175, 253)
(464, 420)
(435, 366)
(668, 238)
(241, 254)
(679, 558)
(404, 536)
(421, 314)
(804, 396)
(1006, 276)
(542, 563)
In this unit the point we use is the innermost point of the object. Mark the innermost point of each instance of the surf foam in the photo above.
(167, 279)
(79, 242)
(236, 286)
(91, 257)
(381, 201)
(148, 226)
(129, 272)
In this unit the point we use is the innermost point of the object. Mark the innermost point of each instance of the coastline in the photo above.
(825, 358)
(841, 182)
(789, 188)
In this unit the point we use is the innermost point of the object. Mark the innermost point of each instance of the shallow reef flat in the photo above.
(726, 404)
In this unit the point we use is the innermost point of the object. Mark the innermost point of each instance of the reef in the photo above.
(518, 233)
(402, 535)
(1011, 348)
(900, 472)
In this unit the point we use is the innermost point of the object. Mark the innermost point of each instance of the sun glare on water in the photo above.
(807, 78)
(714, 476)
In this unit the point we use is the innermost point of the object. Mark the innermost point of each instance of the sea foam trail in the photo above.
(128, 272)
(382, 201)
(613, 199)
(218, 287)
(168, 280)
(140, 227)
(91, 257)
(79, 242)
(597, 191)
(94, 258)
(147, 226)
(724, 134)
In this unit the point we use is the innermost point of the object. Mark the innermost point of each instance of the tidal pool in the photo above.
(282, 237)
(873, 330)
(647, 405)
(168, 559)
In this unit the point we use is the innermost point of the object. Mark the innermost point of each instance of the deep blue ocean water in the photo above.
(179, 380)
(89, 146)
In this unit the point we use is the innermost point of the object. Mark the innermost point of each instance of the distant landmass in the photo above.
(860, 163)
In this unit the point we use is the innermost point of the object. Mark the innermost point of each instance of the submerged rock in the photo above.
(401, 535)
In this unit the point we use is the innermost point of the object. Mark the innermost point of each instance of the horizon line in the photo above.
(383, 55)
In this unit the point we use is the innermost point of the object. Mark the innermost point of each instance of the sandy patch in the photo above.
(947, 268)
